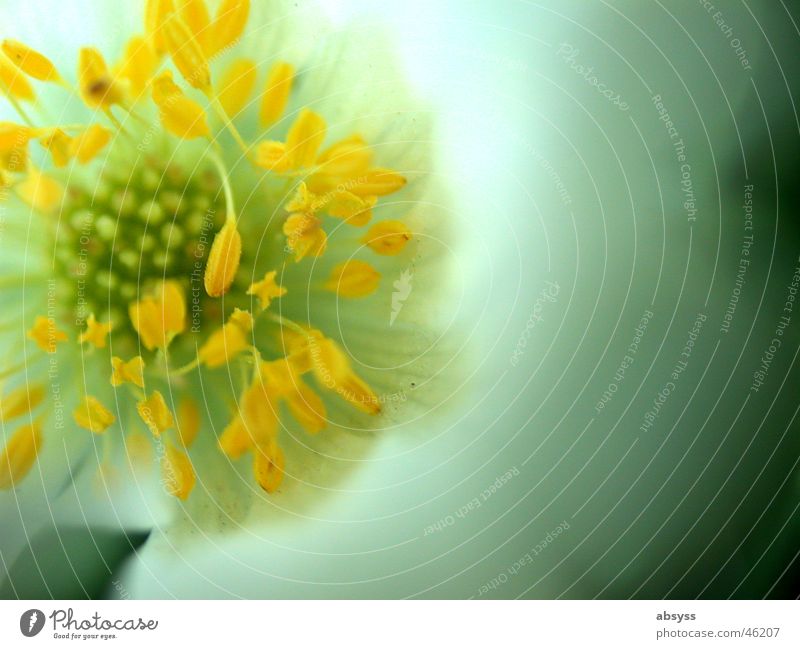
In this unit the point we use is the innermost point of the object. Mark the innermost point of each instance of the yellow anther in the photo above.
(300, 150)
(180, 115)
(58, 144)
(268, 466)
(353, 278)
(14, 136)
(177, 472)
(173, 301)
(93, 415)
(40, 191)
(332, 370)
(276, 93)
(267, 289)
(97, 86)
(378, 182)
(304, 139)
(235, 440)
(259, 412)
(195, 15)
(155, 413)
(272, 157)
(131, 371)
(304, 201)
(284, 381)
(338, 203)
(86, 145)
(355, 210)
(307, 408)
(19, 454)
(138, 64)
(96, 332)
(186, 52)
(156, 13)
(236, 86)
(30, 61)
(21, 401)
(45, 334)
(13, 83)
(227, 341)
(346, 159)
(223, 260)
(305, 236)
(188, 421)
(388, 237)
(160, 317)
(227, 27)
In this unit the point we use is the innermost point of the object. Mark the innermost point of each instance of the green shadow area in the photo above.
(70, 563)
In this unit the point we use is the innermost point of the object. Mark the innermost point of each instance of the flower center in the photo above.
(133, 231)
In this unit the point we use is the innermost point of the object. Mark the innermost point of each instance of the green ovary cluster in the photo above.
(115, 242)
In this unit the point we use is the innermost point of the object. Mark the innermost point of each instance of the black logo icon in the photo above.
(31, 622)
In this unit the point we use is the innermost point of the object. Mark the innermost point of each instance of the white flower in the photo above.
(200, 241)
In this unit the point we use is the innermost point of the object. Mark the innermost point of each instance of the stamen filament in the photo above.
(220, 111)
(230, 207)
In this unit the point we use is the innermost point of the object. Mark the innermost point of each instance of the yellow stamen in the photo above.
(227, 27)
(339, 203)
(268, 467)
(276, 93)
(97, 87)
(138, 64)
(388, 237)
(259, 412)
(181, 116)
(378, 182)
(159, 318)
(19, 454)
(304, 139)
(14, 136)
(31, 62)
(266, 290)
(300, 150)
(186, 52)
(96, 332)
(21, 401)
(305, 236)
(346, 159)
(93, 415)
(235, 440)
(13, 83)
(40, 191)
(178, 472)
(223, 260)
(46, 335)
(86, 145)
(127, 372)
(227, 341)
(353, 278)
(156, 13)
(236, 86)
(353, 209)
(58, 144)
(195, 15)
(285, 382)
(332, 370)
(188, 421)
(155, 413)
